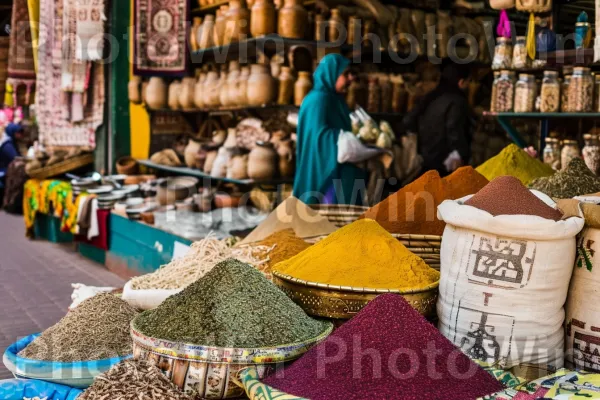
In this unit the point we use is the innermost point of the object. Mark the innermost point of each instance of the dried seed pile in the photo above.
(399, 363)
(575, 180)
(133, 380)
(97, 329)
(232, 305)
(201, 258)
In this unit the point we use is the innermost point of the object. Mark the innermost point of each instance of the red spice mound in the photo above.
(413, 209)
(387, 351)
(506, 195)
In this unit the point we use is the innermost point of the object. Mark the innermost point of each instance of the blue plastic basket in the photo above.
(17, 389)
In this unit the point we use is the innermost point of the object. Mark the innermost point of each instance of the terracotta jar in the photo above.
(286, 86)
(237, 168)
(197, 23)
(134, 90)
(219, 26)
(199, 91)
(286, 154)
(262, 18)
(211, 155)
(212, 78)
(232, 83)
(262, 161)
(399, 96)
(261, 87)
(231, 140)
(205, 34)
(174, 89)
(219, 136)
(219, 166)
(386, 93)
(224, 93)
(320, 28)
(374, 97)
(276, 63)
(335, 26)
(216, 92)
(351, 95)
(242, 86)
(354, 33)
(186, 93)
(191, 152)
(144, 90)
(237, 22)
(293, 20)
(302, 86)
(156, 93)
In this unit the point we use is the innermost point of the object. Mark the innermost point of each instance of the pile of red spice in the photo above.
(387, 351)
(506, 195)
(413, 209)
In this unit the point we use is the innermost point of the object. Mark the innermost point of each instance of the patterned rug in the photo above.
(21, 65)
(161, 37)
(58, 110)
(90, 29)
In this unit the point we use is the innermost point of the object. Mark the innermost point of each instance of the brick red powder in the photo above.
(416, 361)
(413, 209)
(506, 195)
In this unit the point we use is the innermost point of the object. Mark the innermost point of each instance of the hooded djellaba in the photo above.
(8, 145)
(323, 114)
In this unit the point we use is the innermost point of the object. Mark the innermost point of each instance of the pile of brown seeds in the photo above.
(133, 380)
(97, 329)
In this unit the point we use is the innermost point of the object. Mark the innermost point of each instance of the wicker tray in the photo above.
(62, 167)
(340, 214)
(343, 302)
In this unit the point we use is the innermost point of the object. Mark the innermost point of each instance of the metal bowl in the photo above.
(343, 302)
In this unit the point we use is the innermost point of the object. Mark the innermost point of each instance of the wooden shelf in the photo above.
(568, 57)
(277, 107)
(540, 115)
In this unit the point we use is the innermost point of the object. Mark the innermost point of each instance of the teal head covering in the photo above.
(323, 114)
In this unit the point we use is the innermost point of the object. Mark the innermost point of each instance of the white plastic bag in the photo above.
(82, 292)
(503, 284)
(146, 299)
(352, 150)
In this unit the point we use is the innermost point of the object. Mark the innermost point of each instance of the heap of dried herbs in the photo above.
(233, 305)
(575, 180)
(133, 380)
(97, 329)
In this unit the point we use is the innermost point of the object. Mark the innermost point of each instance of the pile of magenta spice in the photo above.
(387, 351)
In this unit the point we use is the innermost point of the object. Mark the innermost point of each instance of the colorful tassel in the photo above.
(531, 37)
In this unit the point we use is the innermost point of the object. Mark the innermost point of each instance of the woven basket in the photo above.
(340, 214)
(62, 167)
(535, 6)
(425, 246)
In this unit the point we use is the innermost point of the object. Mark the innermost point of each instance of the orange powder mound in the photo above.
(413, 209)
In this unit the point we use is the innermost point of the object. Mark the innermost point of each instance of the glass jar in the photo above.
(570, 150)
(597, 93)
(564, 93)
(552, 153)
(581, 89)
(550, 92)
(502, 54)
(525, 93)
(591, 152)
(505, 91)
(493, 106)
(520, 59)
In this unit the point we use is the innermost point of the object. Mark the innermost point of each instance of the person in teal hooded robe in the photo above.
(323, 114)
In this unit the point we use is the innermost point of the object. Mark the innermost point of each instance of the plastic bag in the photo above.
(352, 150)
(17, 389)
(82, 292)
(146, 299)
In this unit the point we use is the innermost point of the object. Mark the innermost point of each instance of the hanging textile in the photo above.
(90, 30)
(65, 118)
(34, 23)
(21, 64)
(161, 41)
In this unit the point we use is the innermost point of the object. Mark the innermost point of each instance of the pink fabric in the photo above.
(503, 28)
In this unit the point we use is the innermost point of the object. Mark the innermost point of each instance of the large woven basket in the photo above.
(62, 167)
(425, 246)
(340, 214)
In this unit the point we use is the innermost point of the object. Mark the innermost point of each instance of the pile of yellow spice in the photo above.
(361, 254)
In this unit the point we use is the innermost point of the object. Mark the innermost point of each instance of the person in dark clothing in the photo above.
(8, 146)
(442, 122)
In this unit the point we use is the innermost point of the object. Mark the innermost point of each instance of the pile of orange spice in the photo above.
(277, 247)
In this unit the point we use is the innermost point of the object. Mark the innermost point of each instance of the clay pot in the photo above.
(238, 22)
(199, 91)
(219, 26)
(175, 189)
(399, 96)
(191, 152)
(276, 63)
(293, 20)
(210, 82)
(237, 167)
(335, 26)
(286, 153)
(386, 93)
(354, 33)
(219, 167)
(228, 93)
(127, 165)
(261, 86)
(211, 155)
(242, 87)
(216, 94)
(223, 200)
(156, 93)
(374, 98)
(144, 90)
(286, 86)
(186, 93)
(231, 141)
(194, 33)
(219, 137)
(174, 89)
(302, 86)
(320, 28)
(205, 34)
(134, 90)
(262, 161)
(262, 18)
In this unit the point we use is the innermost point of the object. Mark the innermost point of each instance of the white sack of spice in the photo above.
(148, 291)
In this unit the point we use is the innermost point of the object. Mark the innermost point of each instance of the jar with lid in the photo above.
(505, 90)
(552, 154)
(581, 89)
(597, 93)
(564, 93)
(591, 152)
(502, 54)
(493, 104)
(525, 93)
(550, 92)
(570, 150)
(520, 59)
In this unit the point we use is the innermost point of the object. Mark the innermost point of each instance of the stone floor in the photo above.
(35, 282)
